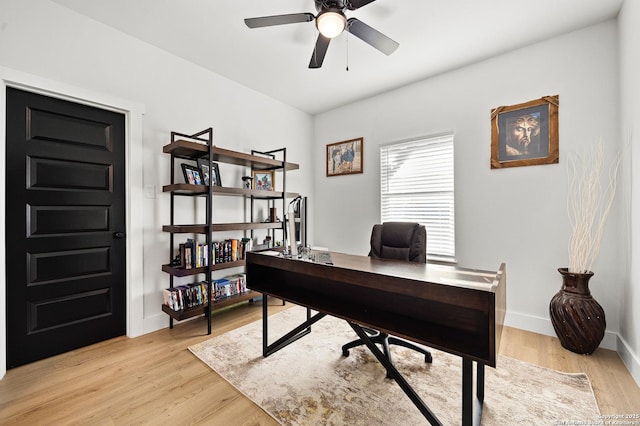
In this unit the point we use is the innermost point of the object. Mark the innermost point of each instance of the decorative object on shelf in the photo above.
(263, 180)
(203, 164)
(246, 181)
(344, 158)
(191, 174)
(577, 318)
(525, 134)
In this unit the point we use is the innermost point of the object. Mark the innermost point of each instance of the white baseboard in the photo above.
(155, 322)
(543, 326)
(631, 360)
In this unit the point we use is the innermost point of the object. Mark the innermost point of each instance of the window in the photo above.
(416, 185)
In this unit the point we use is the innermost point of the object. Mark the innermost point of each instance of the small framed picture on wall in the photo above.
(344, 158)
(525, 134)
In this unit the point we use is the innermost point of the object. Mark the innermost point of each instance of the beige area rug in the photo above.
(310, 383)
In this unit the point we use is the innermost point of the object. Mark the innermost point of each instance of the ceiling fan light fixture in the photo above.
(331, 23)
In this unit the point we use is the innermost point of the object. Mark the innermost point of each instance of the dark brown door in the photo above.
(65, 226)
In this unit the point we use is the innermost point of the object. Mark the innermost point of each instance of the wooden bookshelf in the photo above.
(200, 146)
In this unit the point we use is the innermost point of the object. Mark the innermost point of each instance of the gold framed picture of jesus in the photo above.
(344, 158)
(525, 134)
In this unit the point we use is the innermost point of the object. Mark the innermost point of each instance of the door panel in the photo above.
(54, 126)
(65, 202)
(51, 220)
(53, 267)
(81, 307)
(68, 175)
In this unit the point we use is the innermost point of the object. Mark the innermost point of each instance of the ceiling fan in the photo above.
(331, 22)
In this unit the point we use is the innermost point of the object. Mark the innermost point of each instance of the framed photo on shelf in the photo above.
(191, 174)
(263, 180)
(203, 165)
(344, 158)
(525, 134)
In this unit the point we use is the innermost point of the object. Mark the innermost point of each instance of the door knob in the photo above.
(118, 235)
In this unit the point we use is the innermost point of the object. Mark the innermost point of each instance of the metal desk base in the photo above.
(471, 406)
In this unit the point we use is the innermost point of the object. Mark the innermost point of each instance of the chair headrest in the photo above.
(399, 240)
(398, 234)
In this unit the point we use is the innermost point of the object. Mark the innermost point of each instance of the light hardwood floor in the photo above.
(154, 379)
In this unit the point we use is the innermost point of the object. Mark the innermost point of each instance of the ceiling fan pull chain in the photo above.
(347, 37)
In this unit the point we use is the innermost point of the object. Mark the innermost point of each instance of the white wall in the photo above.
(516, 215)
(629, 348)
(41, 38)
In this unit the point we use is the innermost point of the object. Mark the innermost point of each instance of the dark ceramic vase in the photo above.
(577, 317)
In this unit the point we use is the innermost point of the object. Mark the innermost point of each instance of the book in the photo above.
(182, 255)
(246, 246)
(186, 296)
(238, 283)
(187, 257)
(221, 289)
(234, 250)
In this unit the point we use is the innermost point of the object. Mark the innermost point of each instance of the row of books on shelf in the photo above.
(195, 294)
(193, 254)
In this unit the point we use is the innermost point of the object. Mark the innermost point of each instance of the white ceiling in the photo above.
(434, 35)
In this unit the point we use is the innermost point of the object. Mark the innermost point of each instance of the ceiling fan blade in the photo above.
(268, 21)
(373, 37)
(356, 4)
(322, 44)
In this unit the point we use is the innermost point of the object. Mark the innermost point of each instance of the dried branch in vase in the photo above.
(588, 205)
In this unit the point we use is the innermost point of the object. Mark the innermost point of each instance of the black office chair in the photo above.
(401, 241)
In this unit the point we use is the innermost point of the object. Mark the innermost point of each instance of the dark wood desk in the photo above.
(457, 310)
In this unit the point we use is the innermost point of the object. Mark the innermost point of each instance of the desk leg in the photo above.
(467, 392)
(480, 382)
(301, 330)
(472, 406)
(265, 324)
(395, 374)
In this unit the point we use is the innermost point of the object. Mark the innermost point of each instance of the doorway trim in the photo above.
(134, 113)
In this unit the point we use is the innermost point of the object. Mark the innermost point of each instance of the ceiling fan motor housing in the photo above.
(322, 5)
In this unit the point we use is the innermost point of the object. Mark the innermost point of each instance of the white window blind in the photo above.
(416, 185)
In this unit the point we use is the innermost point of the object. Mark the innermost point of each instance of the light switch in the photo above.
(149, 191)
